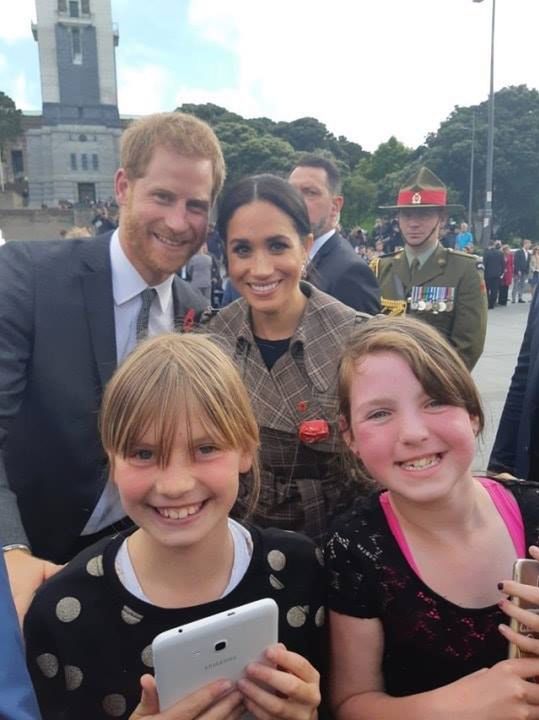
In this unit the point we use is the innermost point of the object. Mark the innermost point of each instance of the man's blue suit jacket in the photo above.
(57, 352)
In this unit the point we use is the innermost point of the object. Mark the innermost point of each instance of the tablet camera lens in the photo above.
(221, 645)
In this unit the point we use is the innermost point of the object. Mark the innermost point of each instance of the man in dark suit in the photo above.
(70, 311)
(516, 447)
(334, 267)
(494, 264)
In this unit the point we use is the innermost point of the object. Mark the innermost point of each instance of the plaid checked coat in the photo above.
(303, 486)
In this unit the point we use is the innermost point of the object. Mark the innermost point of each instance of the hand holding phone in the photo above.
(215, 647)
(287, 687)
(214, 701)
(523, 609)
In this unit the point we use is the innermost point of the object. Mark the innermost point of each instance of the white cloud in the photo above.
(15, 22)
(20, 92)
(367, 69)
(143, 89)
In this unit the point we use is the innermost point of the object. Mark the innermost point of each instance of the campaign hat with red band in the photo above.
(423, 190)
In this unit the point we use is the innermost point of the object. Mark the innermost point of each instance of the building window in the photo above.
(76, 45)
(73, 161)
(74, 8)
(83, 137)
(62, 6)
(17, 163)
(85, 7)
(84, 161)
(95, 162)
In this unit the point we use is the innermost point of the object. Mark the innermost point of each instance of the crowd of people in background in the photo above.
(510, 272)
(510, 269)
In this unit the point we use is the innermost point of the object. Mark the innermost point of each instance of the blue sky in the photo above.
(367, 69)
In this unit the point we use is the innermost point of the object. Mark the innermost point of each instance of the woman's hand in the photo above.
(288, 689)
(212, 702)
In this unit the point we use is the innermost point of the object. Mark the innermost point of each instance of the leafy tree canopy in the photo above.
(372, 179)
(10, 120)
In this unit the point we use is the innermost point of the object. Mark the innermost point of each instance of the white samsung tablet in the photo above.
(216, 647)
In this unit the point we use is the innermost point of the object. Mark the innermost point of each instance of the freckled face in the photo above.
(410, 443)
(189, 499)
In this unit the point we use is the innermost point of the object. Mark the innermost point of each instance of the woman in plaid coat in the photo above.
(286, 337)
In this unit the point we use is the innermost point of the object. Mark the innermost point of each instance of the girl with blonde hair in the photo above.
(178, 429)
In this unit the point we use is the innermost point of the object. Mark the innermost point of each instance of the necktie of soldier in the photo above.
(143, 317)
(414, 267)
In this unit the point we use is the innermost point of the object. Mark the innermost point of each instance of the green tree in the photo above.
(247, 152)
(304, 134)
(389, 157)
(516, 158)
(359, 196)
(210, 113)
(347, 151)
(10, 127)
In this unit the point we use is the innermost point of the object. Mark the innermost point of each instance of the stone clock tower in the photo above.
(73, 155)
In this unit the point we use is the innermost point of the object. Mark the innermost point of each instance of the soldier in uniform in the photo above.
(439, 285)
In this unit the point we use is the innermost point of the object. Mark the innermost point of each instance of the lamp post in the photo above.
(470, 190)
(487, 220)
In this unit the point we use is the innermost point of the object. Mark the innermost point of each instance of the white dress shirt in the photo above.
(317, 244)
(127, 284)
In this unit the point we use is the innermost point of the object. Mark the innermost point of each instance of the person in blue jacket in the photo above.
(17, 699)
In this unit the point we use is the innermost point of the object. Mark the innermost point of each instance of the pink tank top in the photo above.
(505, 504)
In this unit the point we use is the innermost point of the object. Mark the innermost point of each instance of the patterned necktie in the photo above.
(147, 297)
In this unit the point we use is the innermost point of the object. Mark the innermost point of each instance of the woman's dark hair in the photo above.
(265, 188)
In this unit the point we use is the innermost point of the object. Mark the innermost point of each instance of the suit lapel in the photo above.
(96, 279)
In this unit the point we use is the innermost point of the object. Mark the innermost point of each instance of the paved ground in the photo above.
(494, 370)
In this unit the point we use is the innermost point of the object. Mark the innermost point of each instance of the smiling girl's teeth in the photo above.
(421, 463)
(179, 513)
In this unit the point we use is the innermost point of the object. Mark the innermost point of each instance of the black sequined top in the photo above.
(428, 641)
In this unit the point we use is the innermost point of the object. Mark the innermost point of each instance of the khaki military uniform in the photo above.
(448, 292)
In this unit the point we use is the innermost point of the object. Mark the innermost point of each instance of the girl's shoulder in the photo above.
(361, 531)
(364, 513)
(278, 550)
(80, 583)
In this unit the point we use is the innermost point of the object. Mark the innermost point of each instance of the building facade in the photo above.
(73, 155)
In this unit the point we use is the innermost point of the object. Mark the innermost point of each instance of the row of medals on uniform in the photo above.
(432, 299)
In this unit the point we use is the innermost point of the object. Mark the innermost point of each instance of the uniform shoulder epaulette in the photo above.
(394, 254)
(460, 253)
(477, 259)
(374, 264)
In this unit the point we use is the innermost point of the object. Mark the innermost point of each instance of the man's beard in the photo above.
(321, 227)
